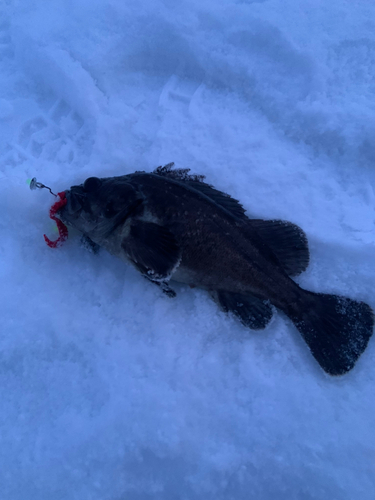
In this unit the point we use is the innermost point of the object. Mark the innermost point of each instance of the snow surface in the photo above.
(110, 390)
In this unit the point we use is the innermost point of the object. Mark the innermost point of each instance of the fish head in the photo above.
(99, 205)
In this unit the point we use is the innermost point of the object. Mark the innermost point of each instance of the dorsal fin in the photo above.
(287, 241)
(196, 182)
(178, 174)
(224, 200)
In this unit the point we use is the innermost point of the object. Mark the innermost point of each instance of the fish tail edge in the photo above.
(336, 329)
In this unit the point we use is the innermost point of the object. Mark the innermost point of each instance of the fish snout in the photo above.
(73, 206)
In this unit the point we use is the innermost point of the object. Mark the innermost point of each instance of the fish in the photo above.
(173, 226)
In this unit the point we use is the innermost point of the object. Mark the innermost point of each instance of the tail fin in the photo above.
(336, 329)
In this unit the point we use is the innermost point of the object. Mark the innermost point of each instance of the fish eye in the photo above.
(91, 184)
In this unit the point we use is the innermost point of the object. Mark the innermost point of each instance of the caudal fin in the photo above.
(336, 329)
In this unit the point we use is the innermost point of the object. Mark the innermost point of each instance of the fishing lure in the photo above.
(63, 230)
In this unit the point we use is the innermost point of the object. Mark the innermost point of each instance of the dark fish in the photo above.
(172, 225)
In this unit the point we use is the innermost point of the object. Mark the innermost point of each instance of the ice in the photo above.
(110, 390)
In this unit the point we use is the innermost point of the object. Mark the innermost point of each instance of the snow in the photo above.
(110, 390)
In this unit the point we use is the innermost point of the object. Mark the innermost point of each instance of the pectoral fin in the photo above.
(153, 249)
(90, 245)
(164, 286)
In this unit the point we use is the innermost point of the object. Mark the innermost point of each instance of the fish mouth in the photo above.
(72, 208)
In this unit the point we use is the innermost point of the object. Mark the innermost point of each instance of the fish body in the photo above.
(173, 226)
(232, 258)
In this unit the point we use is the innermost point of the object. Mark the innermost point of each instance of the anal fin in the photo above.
(250, 310)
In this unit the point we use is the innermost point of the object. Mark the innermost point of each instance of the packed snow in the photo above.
(110, 390)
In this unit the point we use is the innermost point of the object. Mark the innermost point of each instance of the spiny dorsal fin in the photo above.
(224, 200)
(196, 182)
(287, 241)
(179, 174)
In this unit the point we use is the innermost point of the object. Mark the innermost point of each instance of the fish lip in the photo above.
(71, 209)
